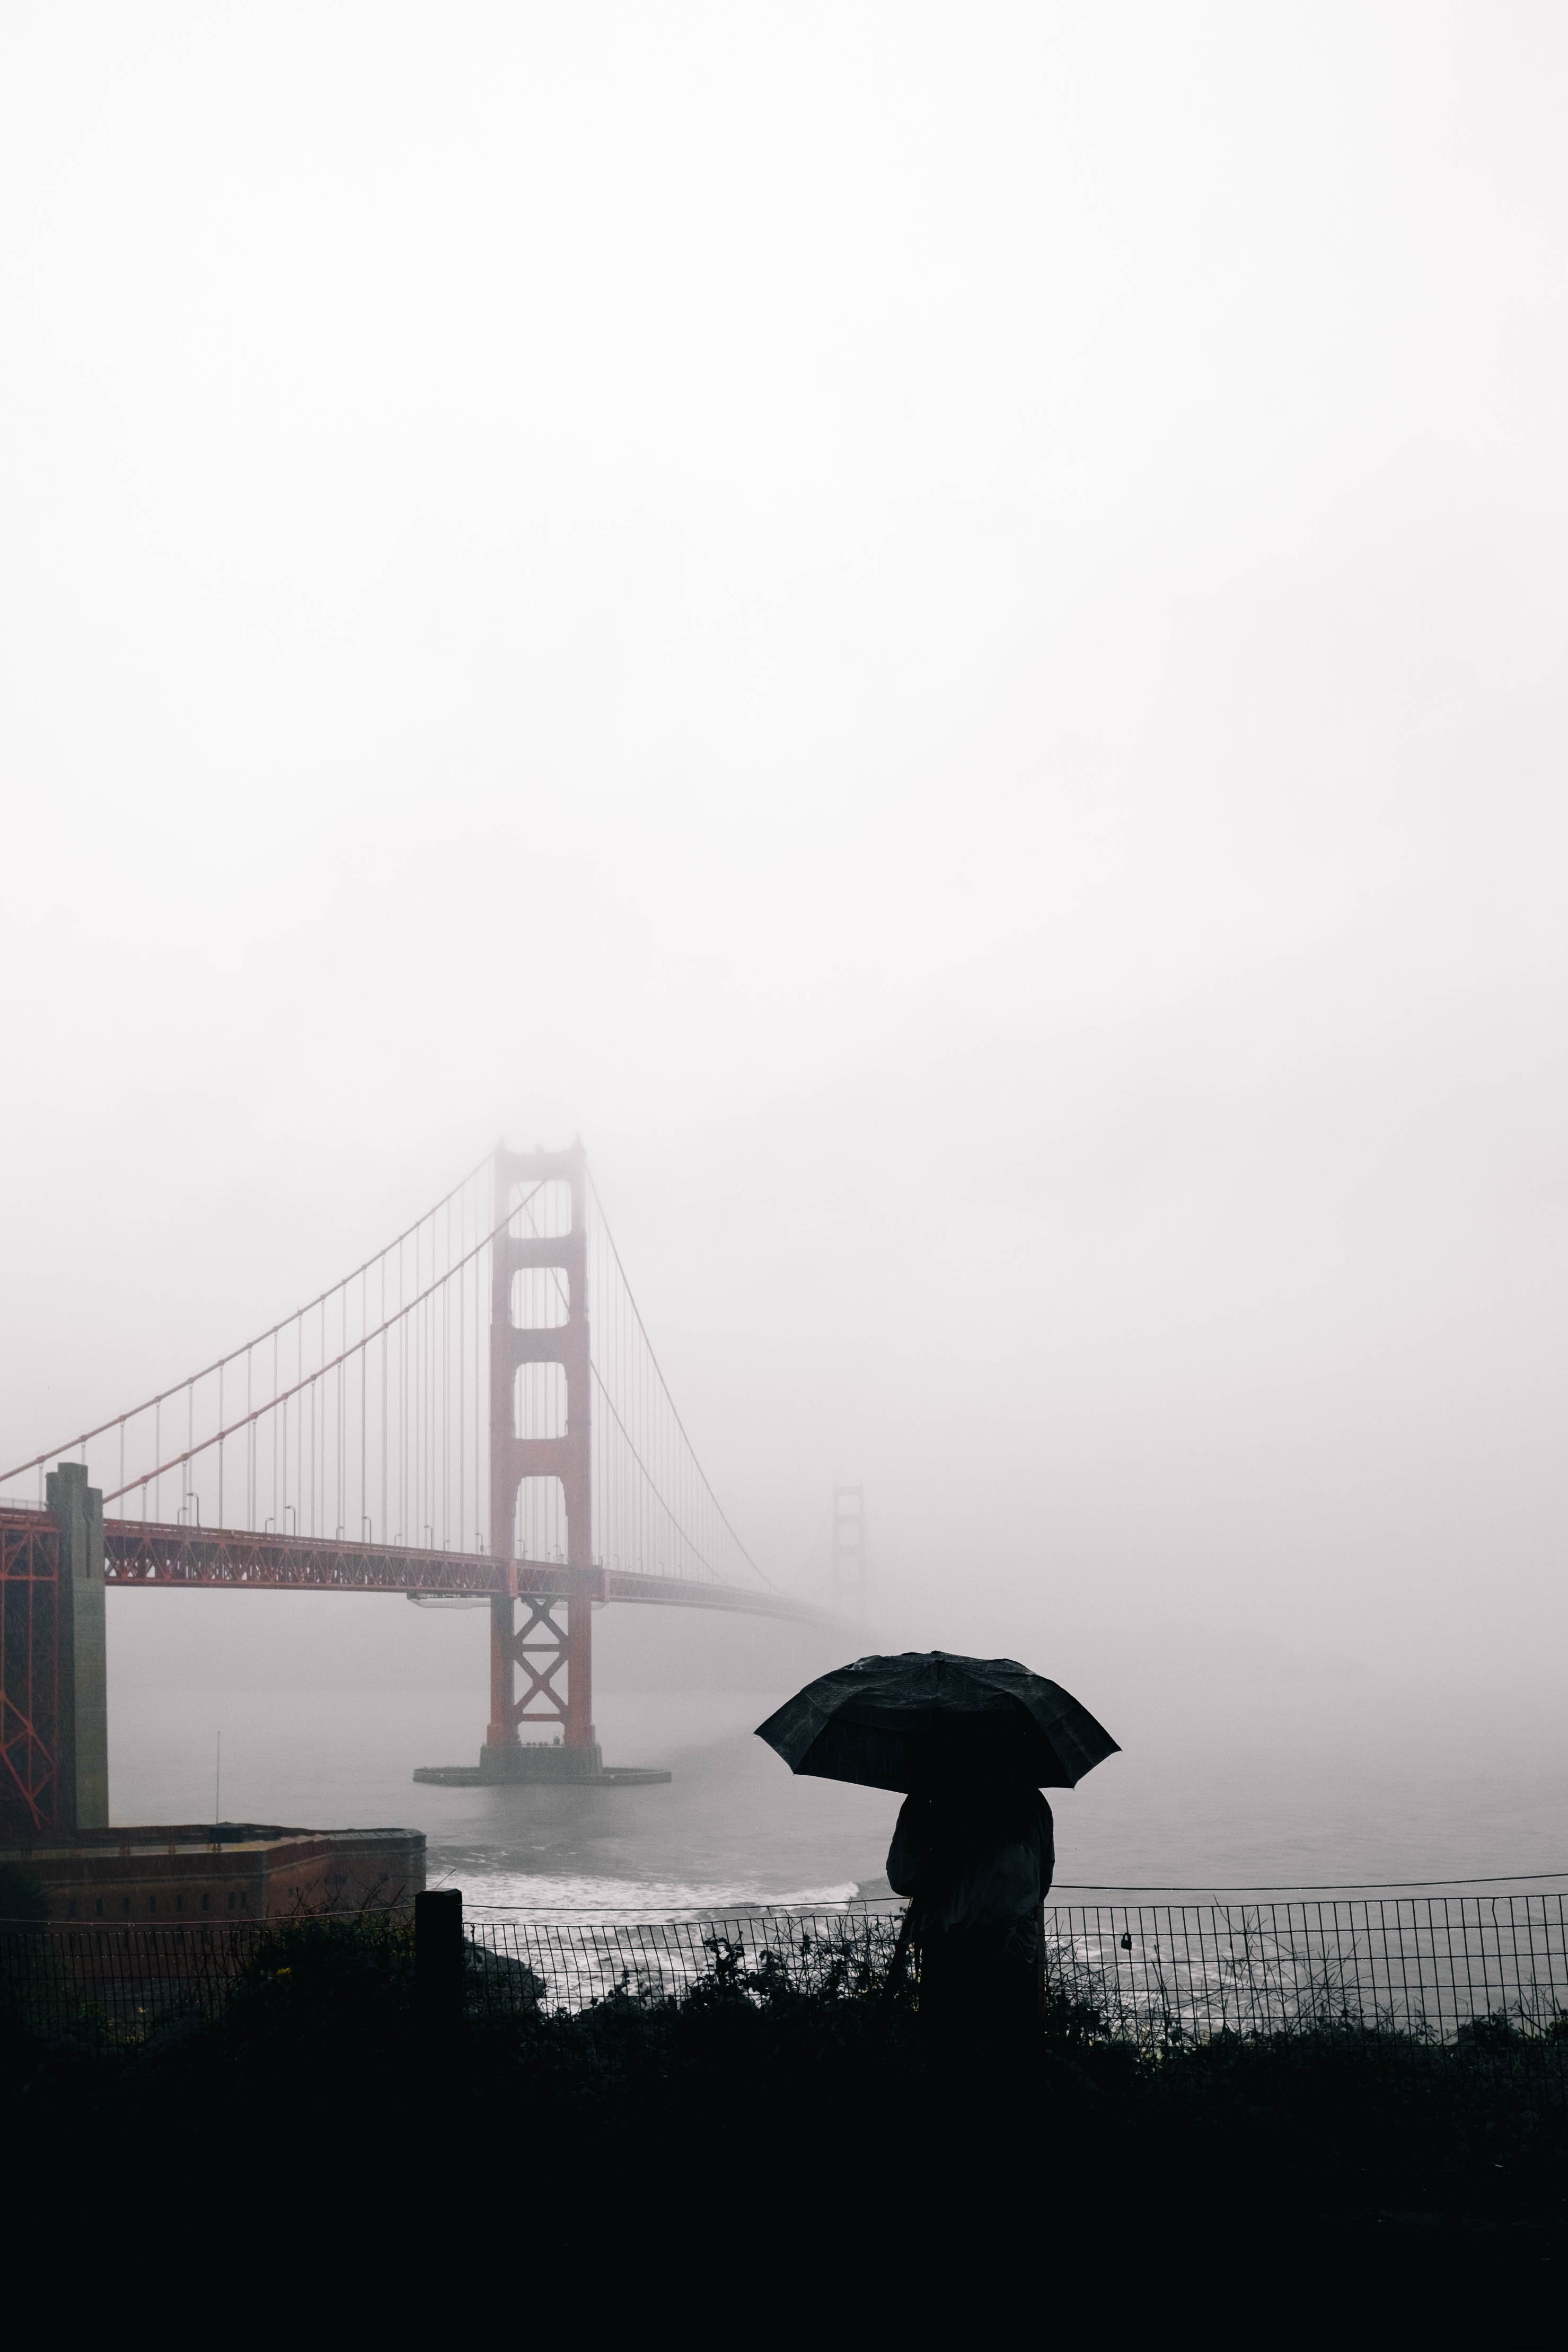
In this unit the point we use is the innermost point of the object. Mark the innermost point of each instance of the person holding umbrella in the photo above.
(975, 1861)
(973, 1741)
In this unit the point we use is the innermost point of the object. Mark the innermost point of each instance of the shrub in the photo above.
(22, 1900)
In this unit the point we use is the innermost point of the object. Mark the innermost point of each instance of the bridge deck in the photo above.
(138, 1553)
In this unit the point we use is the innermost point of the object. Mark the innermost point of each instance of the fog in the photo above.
(939, 627)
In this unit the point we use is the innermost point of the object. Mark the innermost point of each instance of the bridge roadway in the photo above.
(138, 1553)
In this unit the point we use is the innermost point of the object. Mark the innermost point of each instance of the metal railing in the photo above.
(569, 1964)
(1431, 1965)
(112, 1988)
(1157, 1976)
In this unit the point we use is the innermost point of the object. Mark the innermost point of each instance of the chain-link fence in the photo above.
(1431, 1965)
(570, 1964)
(112, 1988)
(1156, 1976)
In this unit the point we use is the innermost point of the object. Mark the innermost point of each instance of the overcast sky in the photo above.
(939, 626)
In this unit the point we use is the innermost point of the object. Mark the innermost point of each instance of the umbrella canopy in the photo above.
(927, 1719)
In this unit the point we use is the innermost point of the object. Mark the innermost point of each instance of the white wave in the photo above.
(550, 1896)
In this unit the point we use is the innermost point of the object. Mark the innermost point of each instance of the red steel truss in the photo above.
(141, 1555)
(138, 1553)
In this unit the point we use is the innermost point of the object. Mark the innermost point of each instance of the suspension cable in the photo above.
(52, 1452)
(664, 1384)
(308, 1380)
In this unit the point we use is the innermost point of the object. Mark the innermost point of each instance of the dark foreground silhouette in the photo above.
(751, 2139)
(977, 1864)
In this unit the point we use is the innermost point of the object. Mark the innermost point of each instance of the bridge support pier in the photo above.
(77, 1508)
(554, 1763)
(505, 1755)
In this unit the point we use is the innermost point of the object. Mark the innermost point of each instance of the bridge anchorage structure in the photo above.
(475, 1417)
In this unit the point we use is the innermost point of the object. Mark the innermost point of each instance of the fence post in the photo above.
(439, 1962)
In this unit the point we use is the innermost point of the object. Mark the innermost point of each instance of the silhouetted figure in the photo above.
(977, 1864)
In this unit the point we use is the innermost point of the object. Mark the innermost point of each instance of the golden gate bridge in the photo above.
(475, 1413)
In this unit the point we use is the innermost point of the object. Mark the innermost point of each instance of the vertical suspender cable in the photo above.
(363, 1389)
(381, 1405)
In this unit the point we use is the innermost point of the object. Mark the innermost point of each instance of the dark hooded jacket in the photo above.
(975, 1857)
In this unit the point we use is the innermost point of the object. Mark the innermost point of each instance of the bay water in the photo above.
(1323, 1780)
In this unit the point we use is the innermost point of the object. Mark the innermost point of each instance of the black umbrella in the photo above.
(927, 1719)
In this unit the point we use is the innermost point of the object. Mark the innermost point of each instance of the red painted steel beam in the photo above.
(566, 1457)
(138, 1554)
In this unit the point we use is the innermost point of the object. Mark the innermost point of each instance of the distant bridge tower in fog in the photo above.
(847, 1598)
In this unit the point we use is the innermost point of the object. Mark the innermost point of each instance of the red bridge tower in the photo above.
(557, 1628)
